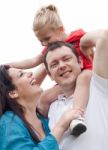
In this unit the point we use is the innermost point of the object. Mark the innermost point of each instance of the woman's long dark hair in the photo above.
(7, 104)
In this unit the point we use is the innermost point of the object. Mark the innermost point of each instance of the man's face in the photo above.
(63, 66)
(48, 35)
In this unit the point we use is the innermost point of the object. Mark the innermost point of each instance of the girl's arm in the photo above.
(47, 97)
(40, 74)
(27, 63)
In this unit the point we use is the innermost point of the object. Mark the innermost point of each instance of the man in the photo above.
(65, 74)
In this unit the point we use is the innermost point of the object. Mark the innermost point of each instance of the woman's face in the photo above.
(26, 85)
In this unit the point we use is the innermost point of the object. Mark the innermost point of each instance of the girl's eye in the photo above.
(47, 38)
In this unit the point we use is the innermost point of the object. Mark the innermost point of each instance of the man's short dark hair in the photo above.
(55, 45)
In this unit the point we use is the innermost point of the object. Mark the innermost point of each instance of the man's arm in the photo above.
(99, 39)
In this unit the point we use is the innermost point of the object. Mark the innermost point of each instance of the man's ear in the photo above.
(50, 76)
(81, 62)
(13, 94)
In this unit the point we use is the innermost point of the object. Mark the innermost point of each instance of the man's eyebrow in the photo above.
(53, 61)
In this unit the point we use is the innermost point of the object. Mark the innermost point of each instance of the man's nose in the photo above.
(62, 65)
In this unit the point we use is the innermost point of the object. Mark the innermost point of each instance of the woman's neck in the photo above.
(34, 121)
(29, 104)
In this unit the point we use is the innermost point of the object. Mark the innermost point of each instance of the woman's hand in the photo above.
(64, 122)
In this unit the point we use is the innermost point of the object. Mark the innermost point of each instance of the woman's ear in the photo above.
(13, 94)
(81, 62)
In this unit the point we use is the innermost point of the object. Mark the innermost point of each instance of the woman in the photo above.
(22, 127)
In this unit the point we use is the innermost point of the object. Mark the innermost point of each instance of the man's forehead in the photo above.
(58, 52)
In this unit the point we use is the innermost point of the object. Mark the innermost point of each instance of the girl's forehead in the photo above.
(45, 30)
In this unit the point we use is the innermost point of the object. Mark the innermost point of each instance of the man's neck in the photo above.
(68, 90)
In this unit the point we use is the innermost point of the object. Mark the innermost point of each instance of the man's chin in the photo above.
(67, 82)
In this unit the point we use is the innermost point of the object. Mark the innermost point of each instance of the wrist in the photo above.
(58, 132)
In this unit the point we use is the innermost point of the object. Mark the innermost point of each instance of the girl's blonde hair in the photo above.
(47, 15)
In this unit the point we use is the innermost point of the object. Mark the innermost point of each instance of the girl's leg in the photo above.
(81, 97)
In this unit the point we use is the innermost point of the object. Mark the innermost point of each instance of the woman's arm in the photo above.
(64, 122)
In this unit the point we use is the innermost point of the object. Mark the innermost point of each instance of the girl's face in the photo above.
(48, 35)
(26, 86)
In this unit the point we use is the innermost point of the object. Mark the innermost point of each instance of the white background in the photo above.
(17, 40)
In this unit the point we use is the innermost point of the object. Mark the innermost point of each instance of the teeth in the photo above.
(65, 73)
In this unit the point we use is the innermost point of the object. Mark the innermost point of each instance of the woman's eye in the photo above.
(21, 74)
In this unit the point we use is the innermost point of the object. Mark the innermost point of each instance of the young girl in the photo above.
(49, 28)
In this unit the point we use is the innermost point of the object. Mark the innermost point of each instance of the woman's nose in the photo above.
(29, 74)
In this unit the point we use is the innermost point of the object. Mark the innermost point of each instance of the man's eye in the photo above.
(67, 59)
(53, 66)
